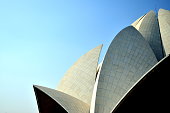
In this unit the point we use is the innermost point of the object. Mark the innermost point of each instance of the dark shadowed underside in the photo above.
(46, 104)
(150, 94)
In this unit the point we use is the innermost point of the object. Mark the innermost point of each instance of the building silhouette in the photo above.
(132, 78)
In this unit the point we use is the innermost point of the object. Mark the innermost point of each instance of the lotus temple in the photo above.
(133, 76)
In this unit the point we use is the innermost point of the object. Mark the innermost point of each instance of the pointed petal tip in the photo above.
(35, 86)
(38, 87)
(151, 12)
(101, 45)
(130, 27)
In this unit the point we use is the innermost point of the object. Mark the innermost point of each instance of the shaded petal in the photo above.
(150, 93)
(53, 101)
(80, 78)
(129, 56)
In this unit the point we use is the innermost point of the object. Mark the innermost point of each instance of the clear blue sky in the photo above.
(41, 39)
